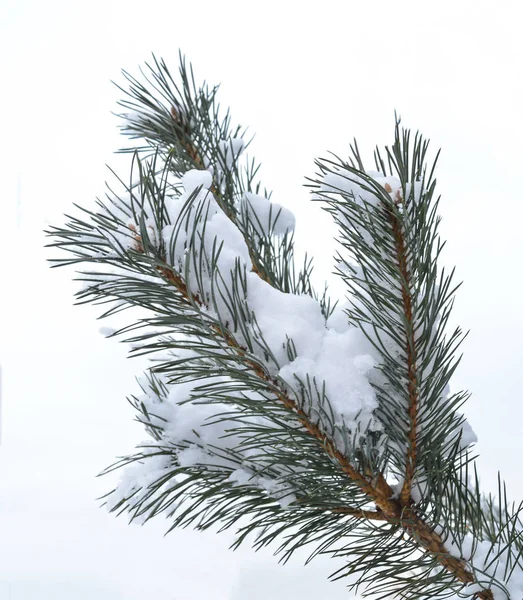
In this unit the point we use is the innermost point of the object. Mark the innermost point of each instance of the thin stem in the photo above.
(410, 350)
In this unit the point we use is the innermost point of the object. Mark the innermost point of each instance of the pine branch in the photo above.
(394, 512)
(247, 426)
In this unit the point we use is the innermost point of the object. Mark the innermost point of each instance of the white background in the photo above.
(306, 78)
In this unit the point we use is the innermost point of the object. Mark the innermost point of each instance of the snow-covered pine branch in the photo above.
(269, 407)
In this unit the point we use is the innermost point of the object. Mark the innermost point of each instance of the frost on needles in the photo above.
(269, 407)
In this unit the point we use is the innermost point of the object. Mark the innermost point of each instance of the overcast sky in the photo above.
(306, 78)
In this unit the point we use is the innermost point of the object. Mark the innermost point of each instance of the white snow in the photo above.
(335, 363)
(196, 178)
(265, 216)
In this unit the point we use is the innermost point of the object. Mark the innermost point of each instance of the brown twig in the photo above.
(401, 259)
(371, 515)
(359, 513)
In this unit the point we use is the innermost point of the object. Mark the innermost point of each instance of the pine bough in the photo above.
(267, 406)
